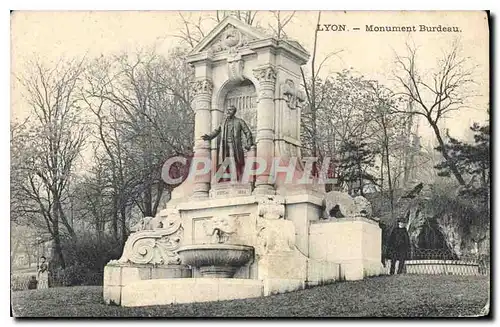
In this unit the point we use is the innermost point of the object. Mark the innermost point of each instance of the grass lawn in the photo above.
(386, 296)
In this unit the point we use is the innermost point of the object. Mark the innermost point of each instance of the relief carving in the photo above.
(204, 86)
(220, 228)
(265, 74)
(293, 97)
(271, 207)
(235, 69)
(275, 236)
(231, 40)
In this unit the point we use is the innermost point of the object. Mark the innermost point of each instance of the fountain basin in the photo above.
(216, 260)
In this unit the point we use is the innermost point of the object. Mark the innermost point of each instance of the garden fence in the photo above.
(444, 262)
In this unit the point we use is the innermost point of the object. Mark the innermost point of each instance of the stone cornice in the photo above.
(297, 52)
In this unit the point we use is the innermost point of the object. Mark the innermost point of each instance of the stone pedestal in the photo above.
(355, 244)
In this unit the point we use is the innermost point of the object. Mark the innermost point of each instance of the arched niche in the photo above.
(243, 96)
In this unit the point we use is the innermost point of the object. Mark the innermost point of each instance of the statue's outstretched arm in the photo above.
(211, 135)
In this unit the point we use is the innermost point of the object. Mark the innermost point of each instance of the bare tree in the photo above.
(281, 22)
(439, 93)
(314, 96)
(246, 16)
(141, 104)
(196, 26)
(192, 32)
(388, 127)
(51, 143)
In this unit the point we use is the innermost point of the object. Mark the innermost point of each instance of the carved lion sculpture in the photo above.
(363, 207)
(338, 205)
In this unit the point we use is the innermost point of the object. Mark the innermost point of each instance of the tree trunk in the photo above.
(58, 249)
(450, 162)
(29, 259)
(55, 231)
(389, 180)
(148, 202)
(123, 215)
(114, 221)
(382, 172)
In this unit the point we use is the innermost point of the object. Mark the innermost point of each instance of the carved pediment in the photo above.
(230, 35)
(230, 39)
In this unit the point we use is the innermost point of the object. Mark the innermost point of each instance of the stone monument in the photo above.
(268, 234)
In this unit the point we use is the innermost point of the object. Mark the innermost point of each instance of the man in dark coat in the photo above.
(398, 247)
(229, 141)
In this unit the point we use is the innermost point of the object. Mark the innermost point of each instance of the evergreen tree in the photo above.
(356, 160)
(470, 159)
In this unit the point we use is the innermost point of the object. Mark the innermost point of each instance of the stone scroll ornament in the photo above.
(155, 243)
(293, 96)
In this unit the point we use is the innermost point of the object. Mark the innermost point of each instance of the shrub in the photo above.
(85, 259)
(76, 275)
(91, 252)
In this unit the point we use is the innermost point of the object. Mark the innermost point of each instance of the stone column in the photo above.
(266, 75)
(202, 91)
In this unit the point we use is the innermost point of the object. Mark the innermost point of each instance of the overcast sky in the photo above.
(53, 35)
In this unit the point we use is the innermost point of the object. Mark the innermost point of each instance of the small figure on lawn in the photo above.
(32, 283)
(398, 247)
(43, 274)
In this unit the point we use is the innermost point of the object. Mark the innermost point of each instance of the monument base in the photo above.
(189, 290)
(294, 249)
(117, 276)
(193, 290)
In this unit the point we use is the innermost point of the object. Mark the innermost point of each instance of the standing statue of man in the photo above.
(229, 140)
